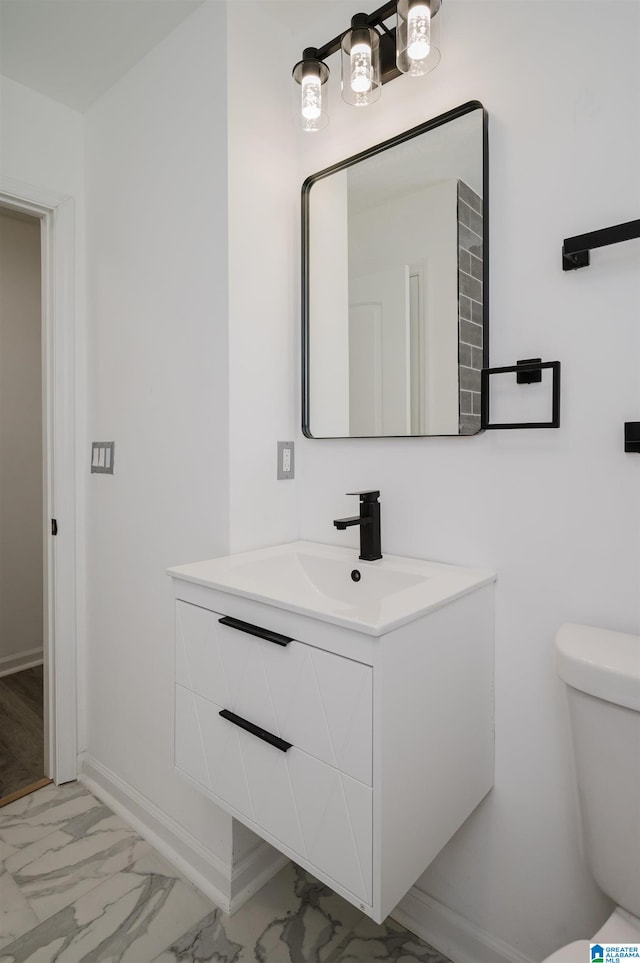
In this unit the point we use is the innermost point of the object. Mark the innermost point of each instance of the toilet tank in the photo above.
(602, 672)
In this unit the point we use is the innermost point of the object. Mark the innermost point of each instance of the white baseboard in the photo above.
(252, 872)
(228, 887)
(24, 660)
(450, 933)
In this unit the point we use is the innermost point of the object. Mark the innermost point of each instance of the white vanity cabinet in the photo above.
(356, 755)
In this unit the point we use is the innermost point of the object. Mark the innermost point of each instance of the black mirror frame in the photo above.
(445, 118)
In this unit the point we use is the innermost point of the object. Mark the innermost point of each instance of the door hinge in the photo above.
(54, 526)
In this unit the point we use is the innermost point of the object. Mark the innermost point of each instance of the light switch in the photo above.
(102, 453)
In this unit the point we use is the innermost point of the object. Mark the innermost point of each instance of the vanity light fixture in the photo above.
(372, 54)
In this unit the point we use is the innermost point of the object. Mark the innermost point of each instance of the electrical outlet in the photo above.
(286, 468)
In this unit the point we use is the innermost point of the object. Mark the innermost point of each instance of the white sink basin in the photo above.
(316, 580)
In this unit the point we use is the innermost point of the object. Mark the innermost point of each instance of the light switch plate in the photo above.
(102, 454)
(286, 462)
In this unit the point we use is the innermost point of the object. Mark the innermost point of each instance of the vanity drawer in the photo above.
(316, 700)
(314, 810)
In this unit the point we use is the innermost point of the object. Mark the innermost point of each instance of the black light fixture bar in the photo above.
(389, 61)
(575, 250)
(374, 19)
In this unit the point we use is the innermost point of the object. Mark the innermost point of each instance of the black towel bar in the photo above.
(575, 250)
(526, 372)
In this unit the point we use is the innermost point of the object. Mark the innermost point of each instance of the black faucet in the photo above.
(369, 522)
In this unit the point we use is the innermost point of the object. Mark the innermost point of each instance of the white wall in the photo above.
(554, 512)
(157, 315)
(40, 142)
(264, 272)
(21, 523)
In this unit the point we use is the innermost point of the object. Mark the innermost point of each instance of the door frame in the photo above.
(56, 213)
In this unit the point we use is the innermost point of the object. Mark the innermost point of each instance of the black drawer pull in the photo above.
(256, 730)
(255, 630)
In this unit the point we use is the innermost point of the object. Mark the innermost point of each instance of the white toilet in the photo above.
(602, 673)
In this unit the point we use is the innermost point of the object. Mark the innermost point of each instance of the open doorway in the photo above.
(22, 506)
(57, 219)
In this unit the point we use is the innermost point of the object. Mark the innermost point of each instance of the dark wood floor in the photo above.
(21, 730)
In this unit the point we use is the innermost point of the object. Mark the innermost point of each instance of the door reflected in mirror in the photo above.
(394, 285)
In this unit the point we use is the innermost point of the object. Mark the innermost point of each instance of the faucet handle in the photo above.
(370, 496)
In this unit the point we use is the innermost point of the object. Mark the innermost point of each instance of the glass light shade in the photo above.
(312, 75)
(417, 50)
(311, 98)
(361, 82)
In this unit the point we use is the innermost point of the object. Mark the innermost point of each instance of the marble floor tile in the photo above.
(204, 942)
(5, 851)
(16, 916)
(77, 885)
(65, 865)
(33, 817)
(371, 942)
(129, 918)
(293, 919)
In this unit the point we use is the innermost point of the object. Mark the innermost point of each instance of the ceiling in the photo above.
(74, 50)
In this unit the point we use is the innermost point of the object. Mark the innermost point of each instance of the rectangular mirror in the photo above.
(394, 285)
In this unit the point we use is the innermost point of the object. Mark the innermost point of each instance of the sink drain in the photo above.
(355, 575)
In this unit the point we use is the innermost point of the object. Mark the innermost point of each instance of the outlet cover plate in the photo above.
(286, 462)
